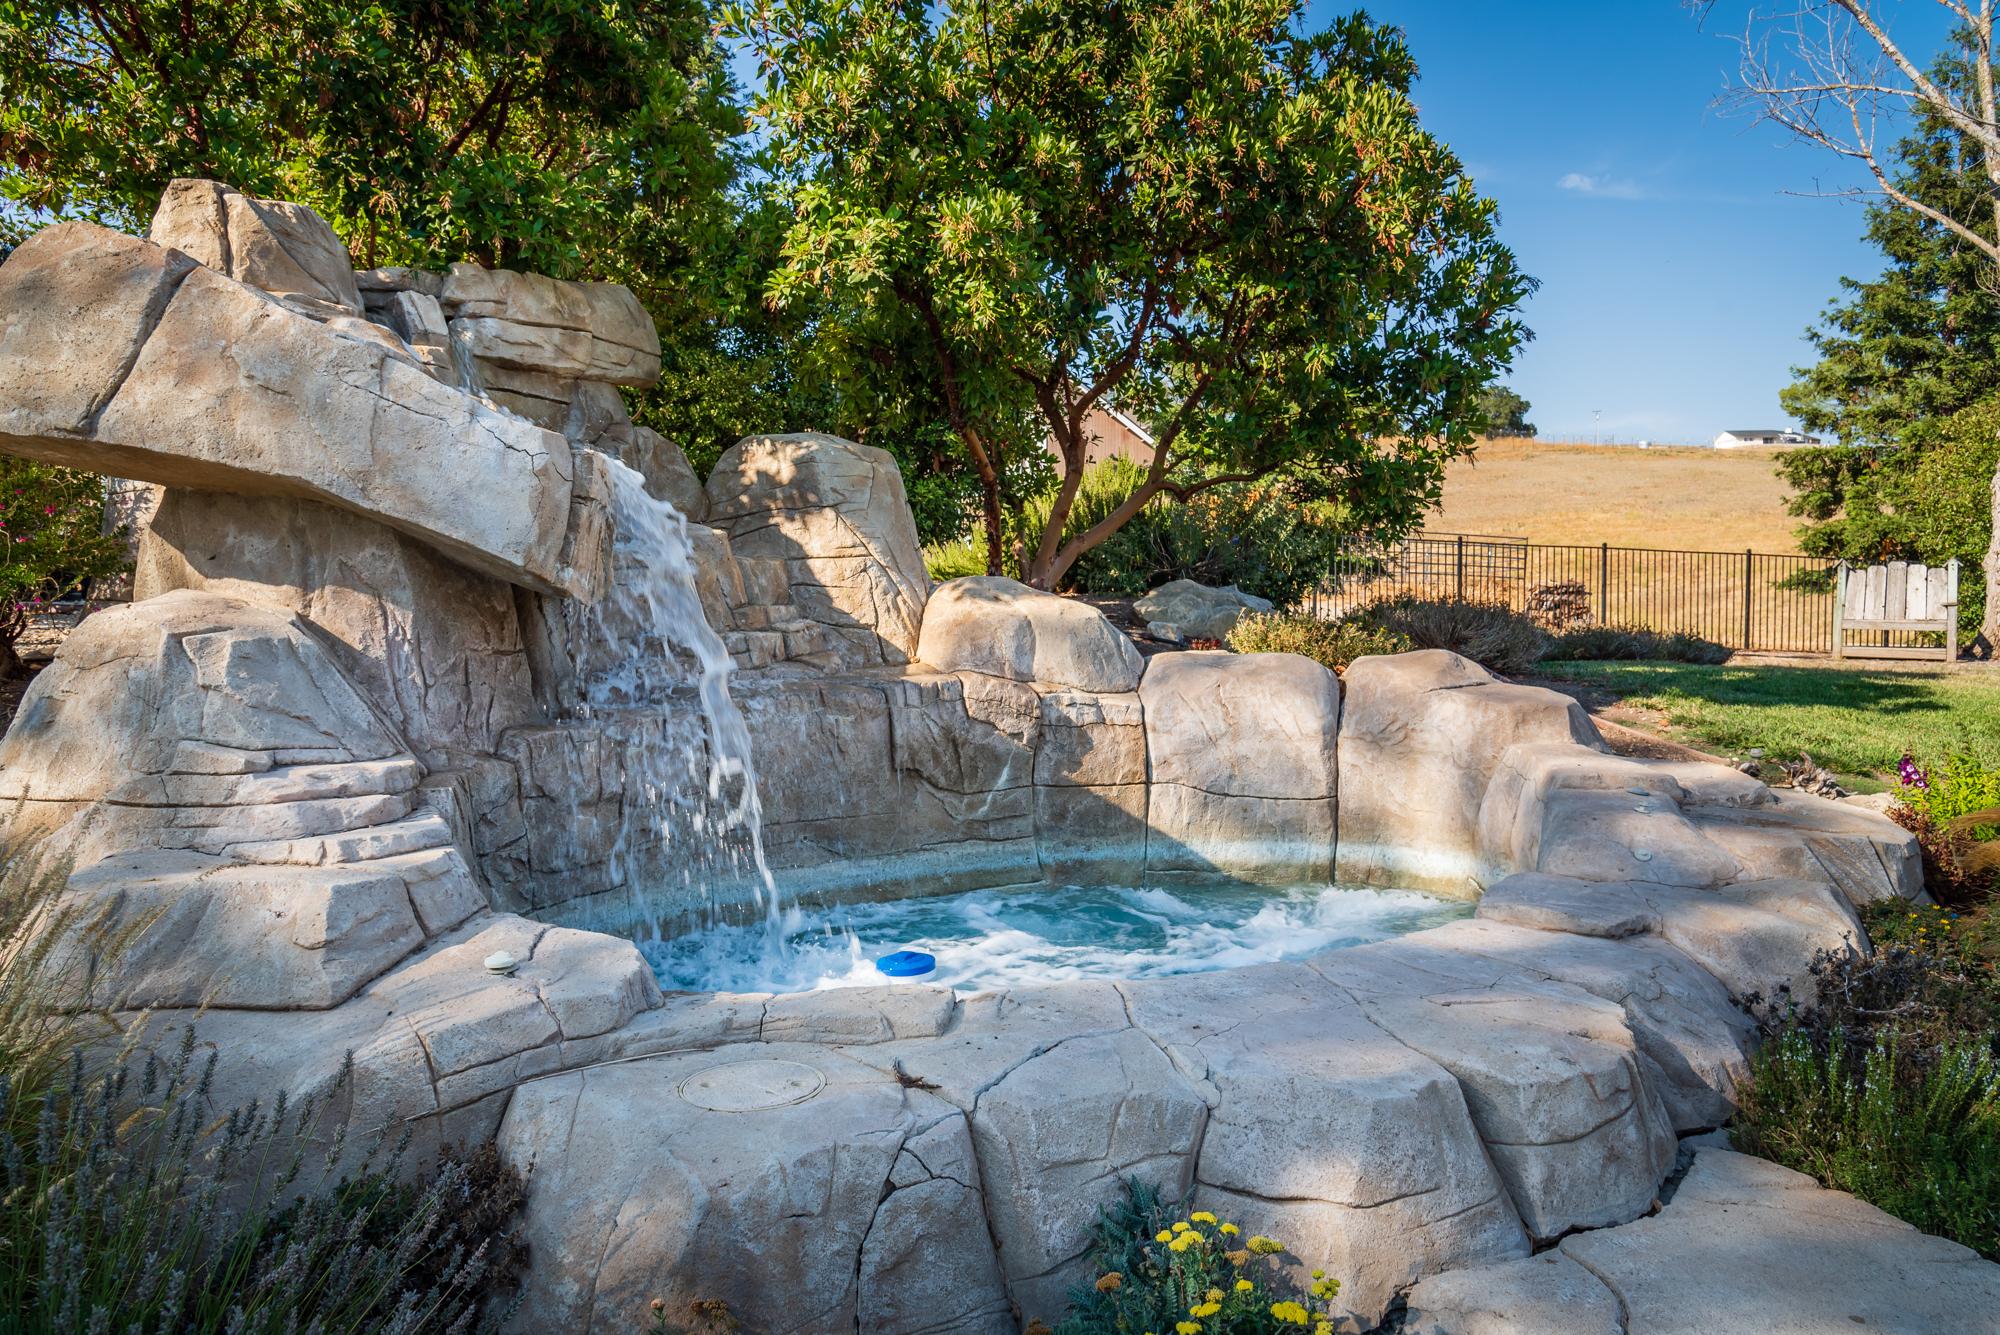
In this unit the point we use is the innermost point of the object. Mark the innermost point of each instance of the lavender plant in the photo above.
(127, 1205)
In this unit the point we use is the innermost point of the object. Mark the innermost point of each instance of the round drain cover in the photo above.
(750, 1085)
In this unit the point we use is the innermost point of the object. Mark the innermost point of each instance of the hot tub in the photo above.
(998, 938)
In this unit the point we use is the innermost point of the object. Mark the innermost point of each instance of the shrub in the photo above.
(956, 559)
(1259, 537)
(1333, 644)
(1886, 1082)
(1948, 502)
(1950, 807)
(1193, 1275)
(130, 1207)
(1490, 634)
(1924, 1146)
(1608, 643)
(52, 542)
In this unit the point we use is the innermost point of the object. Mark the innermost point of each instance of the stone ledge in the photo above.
(1744, 1245)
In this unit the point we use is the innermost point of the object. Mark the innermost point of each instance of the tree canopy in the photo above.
(1231, 228)
(1505, 413)
(1908, 375)
(572, 137)
(1921, 340)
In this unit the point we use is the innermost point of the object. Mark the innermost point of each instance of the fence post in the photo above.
(1749, 568)
(1603, 581)
(1461, 567)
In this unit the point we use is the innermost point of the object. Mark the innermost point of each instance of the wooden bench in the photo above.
(1898, 596)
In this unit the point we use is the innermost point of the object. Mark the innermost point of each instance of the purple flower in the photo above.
(1911, 775)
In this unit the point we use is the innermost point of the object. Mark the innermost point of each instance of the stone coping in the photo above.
(1450, 1098)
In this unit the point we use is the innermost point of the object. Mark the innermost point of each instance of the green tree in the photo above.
(1235, 228)
(52, 543)
(572, 137)
(1504, 412)
(1917, 345)
(760, 368)
(1922, 340)
(1909, 368)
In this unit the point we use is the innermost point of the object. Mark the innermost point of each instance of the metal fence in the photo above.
(1746, 600)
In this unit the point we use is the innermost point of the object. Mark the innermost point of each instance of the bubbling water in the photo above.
(987, 938)
(637, 649)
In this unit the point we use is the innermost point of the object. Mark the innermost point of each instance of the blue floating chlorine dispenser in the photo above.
(907, 964)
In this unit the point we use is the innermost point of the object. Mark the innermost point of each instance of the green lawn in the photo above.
(1851, 721)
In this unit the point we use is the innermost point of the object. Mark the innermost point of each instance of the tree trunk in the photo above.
(1989, 627)
(989, 486)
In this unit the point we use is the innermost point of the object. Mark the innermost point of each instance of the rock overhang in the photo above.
(124, 357)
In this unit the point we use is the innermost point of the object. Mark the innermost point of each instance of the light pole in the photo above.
(1596, 421)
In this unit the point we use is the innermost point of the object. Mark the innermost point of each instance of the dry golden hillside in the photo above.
(1706, 500)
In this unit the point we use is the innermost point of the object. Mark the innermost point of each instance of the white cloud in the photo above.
(1603, 187)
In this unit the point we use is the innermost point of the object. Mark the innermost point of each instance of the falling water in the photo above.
(637, 650)
(463, 361)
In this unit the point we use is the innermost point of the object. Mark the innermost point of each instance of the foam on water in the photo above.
(989, 939)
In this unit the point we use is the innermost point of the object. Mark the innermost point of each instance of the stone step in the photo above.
(1743, 1245)
(414, 834)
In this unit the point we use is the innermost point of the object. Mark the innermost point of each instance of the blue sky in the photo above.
(1678, 277)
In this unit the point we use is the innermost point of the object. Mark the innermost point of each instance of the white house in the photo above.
(1742, 436)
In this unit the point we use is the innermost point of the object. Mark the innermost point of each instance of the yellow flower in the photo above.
(1163, 1236)
(1236, 1258)
(1289, 1312)
(1244, 1286)
(1202, 1217)
(1213, 1295)
(1181, 1226)
(1187, 1327)
(1229, 1230)
(1111, 1282)
(1204, 1309)
(1264, 1246)
(1323, 1328)
(1182, 1243)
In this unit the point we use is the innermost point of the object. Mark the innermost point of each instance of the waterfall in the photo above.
(637, 651)
(464, 363)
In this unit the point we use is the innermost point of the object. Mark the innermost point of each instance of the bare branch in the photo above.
(1843, 75)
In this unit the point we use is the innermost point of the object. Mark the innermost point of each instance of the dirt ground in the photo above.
(1627, 729)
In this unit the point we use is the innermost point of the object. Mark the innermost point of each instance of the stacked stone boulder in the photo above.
(335, 741)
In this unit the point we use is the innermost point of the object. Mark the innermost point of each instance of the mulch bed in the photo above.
(10, 696)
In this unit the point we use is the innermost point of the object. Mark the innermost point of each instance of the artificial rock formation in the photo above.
(280, 248)
(1191, 611)
(338, 743)
(126, 356)
(202, 759)
(832, 517)
(1743, 1245)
